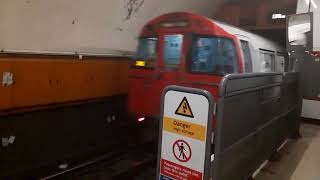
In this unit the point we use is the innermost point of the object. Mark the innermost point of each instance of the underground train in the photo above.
(194, 51)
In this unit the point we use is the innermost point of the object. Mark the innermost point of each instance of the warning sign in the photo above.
(181, 150)
(185, 135)
(170, 170)
(184, 108)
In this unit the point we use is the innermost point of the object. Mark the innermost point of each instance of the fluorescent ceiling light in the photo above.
(312, 2)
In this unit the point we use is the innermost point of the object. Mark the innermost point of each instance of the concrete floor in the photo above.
(300, 158)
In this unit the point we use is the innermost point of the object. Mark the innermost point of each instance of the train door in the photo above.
(280, 62)
(149, 77)
(171, 59)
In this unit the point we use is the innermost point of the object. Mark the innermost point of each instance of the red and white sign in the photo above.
(184, 136)
(178, 172)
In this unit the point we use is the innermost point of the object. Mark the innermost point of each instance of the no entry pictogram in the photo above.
(181, 150)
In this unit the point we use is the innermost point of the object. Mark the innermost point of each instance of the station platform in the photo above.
(300, 158)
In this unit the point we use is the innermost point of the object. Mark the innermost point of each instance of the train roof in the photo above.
(219, 28)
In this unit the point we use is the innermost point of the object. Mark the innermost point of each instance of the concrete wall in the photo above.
(95, 26)
(256, 15)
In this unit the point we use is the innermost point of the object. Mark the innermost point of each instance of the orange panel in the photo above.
(51, 80)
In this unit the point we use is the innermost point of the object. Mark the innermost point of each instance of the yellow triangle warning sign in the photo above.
(184, 109)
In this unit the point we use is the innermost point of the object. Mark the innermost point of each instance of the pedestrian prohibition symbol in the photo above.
(181, 151)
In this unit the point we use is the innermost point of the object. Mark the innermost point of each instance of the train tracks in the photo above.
(138, 163)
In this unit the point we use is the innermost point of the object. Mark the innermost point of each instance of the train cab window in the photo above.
(146, 49)
(146, 53)
(172, 49)
(213, 55)
(267, 63)
(247, 55)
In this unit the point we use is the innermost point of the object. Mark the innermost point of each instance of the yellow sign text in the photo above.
(184, 128)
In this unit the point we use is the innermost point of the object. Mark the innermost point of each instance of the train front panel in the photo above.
(179, 49)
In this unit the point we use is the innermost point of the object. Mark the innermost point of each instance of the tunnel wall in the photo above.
(35, 143)
(81, 26)
(59, 109)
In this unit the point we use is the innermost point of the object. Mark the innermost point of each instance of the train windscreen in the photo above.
(146, 52)
(213, 55)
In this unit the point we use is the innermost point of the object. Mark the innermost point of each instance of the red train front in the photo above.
(179, 49)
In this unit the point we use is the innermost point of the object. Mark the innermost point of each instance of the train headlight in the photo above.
(141, 119)
(140, 63)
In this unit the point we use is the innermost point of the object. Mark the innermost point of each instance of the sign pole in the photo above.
(184, 150)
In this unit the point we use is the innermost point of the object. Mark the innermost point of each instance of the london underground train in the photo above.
(194, 51)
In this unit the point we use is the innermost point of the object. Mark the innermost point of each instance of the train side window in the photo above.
(172, 49)
(213, 55)
(267, 62)
(247, 55)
